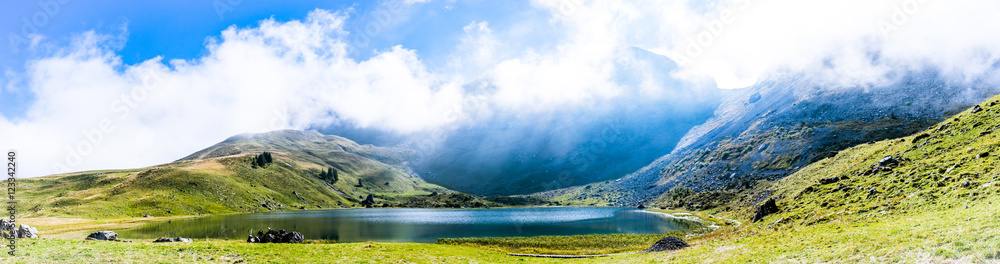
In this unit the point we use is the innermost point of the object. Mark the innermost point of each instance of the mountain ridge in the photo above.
(222, 179)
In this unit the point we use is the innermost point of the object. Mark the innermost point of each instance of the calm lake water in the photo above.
(421, 225)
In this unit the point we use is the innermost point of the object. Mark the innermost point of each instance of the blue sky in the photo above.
(180, 29)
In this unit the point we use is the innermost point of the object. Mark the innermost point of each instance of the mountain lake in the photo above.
(421, 225)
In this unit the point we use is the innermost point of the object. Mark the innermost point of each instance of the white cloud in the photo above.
(760, 38)
(277, 75)
(298, 73)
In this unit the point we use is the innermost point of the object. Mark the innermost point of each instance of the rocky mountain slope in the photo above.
(930, 197)
(774, 128)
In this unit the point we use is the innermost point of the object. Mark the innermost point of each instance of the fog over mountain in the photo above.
(513, 153)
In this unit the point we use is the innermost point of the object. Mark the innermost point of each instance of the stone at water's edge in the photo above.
(176, 239)
(668, 243)
(103, 235)
(279, 236)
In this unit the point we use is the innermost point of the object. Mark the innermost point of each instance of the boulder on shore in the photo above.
(279, 236)
(103, 235)
(668, 243)
(26, 231)
(175, 239)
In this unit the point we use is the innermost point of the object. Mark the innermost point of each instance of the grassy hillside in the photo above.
(221, 179)
(929, 197)
(951, 164)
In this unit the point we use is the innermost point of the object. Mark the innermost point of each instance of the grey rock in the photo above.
(668, 243)
(831, 180)
(888, 161)
(176, 239)
(369, 201)
(767, 208)
(279, 236)
(103, 235)
(26, 231)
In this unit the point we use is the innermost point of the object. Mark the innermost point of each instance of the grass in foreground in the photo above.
(955, 235)
(563, 245)
(80, 251)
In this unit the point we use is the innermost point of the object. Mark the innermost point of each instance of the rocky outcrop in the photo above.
(668, 243)
(279, 236)
(832, 179)
(888, 161)
(168, 239)
(886, 164)
(765, 209)
(369, 201)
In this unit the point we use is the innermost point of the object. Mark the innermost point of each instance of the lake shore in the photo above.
(62, 241)
(78, 228)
